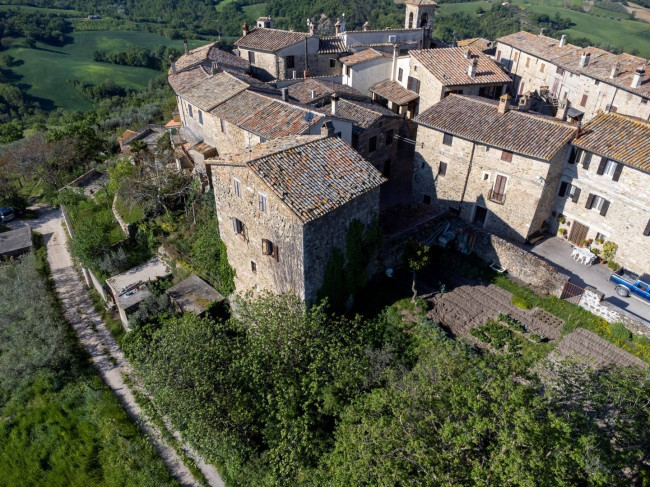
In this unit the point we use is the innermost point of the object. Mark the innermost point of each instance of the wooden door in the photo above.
(578, 233)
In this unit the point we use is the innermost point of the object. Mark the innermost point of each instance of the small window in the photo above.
(527, 62)
(516, 56)
(251, 57)
(372, 144)
(413, 84)
(389, 137)
(598, 203)
(189, 110)
(583, 101)
(646, 232)
(486, 176)
(261, 202)
(597, 83)
(269, 248)
(332, 62)
(291, 62)
(200, 117)
(644, 102)
(239, 227)
(541, 68)
(400, 74)
(415, 68)
(506, 156)
(426, 199)
(223, 126)
(559, 71)
(447, 139)
(600, 236)
(610, 168)
(348, 71)
(237, 187)
(253, 267)
(442, 169)
(499, 55)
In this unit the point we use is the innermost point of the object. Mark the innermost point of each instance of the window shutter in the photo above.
(506, 156)
(603, 209)
(442, 169)
(275, 253)
(601, 166)
(574, 155)
(265, 246)
(583, 102)
(576, 195)
(617, 172)
(590, 201)
(646, 232)
(234, 223)
(587, 160)
(563, 186)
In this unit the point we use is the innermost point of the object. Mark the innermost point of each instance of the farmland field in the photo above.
(46, 69)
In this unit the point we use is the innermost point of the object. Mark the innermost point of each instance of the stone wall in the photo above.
(591, 300)
(383, 152)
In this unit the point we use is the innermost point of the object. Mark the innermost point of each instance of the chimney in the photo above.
(468, 54)
(562, 41)
(562, 108)
(313, 94)
(524, 103)
(305, 74)
(584, 59)
(542, 31)
(471, 70)
(187, 48)
(311, 26)
(504, 103)
(244, 29)
(285, 93)
(334, 103)
(616, 69)
(327, 129)
(637, 79)
(214, 69)
(337, 27)
(366, 25)
(393, 72)
(173, 63)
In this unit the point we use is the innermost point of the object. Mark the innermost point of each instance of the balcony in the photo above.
(499, 198)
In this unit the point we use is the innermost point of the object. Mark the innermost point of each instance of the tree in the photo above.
(416, 258)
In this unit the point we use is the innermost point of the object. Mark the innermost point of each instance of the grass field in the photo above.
(609, 28)
(46, 69)
(29, 8)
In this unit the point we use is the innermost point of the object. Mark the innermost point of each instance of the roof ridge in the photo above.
(316, 137)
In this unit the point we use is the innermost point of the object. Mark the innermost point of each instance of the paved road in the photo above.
(104, 350)
(557, 252)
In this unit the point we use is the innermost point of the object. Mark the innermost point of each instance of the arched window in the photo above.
(425, 20)
(411, 20)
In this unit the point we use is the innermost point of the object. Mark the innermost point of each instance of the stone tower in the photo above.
(419, 14)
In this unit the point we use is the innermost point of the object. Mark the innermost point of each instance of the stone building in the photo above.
(363, 68)
(497, 166)
(420, 13)
(394, 96)
(436, 73)
(478, 44)
(316, 92)
(589, 78)
(604, 193)
(285, 206)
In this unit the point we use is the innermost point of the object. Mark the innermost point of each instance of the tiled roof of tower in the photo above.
(363, 115)
(364, 56)
(213, 90)
(331, 45)
(567, 57)
(449, 66)
(207, 54)
(619, 137)
(270, 39)
(421, 2)
(393, 91)
(479, 120)
(312, 175)
(477, 43)
(302, 90)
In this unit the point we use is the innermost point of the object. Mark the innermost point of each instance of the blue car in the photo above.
(6, 215)
(630, 283)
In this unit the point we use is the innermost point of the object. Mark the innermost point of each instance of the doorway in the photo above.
(578, 233)
(480, 216)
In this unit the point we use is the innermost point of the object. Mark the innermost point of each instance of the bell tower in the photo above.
(419, 15)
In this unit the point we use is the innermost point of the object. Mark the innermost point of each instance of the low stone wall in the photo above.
(520, 264)
(123, 225)
(592, 300)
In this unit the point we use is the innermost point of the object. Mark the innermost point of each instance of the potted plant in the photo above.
(563, 232)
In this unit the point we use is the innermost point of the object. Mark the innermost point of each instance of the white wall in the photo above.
(363, 76)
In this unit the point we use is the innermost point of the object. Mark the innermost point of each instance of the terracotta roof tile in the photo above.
(270, 39)
(476, 43)
(302, 90)
(312, 175)
(213, 90)
(478, 119)
(362, 115)
(449, 66)
(393, 91)
(364, 56)
(619, 137)
(421, 2)
(331, 45)
(208, 53)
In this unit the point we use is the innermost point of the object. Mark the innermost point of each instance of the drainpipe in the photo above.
(469, 170)
(613, 98)
(306, 55)
(394, 70)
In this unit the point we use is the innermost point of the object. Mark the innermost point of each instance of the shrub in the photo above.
(562, 231)
(535, 337)
(521, 303)
(618, 330)
(613, 265)
(561, 219)
(609, 250)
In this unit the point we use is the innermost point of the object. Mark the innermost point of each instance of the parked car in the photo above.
(6, 214)
(630, 283)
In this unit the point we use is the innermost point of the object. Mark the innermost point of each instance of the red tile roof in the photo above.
(208, 53)
(477, 119)
(364, 56)
(302, 90)
(449, 66)
(331, 45)
(213, 90)
(619, 137)
(393, 91)
(362, 115)
(312, 175)
(270, 39)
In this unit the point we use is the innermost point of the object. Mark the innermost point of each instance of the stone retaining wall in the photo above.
(592, 300)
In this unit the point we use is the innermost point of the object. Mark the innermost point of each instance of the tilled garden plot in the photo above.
(469, 306)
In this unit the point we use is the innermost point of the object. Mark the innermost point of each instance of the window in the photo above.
(189, 110)
(583, 101)
(372, 144)
(559, 71)
(516, 56)
(442, 169)
(573, 155)
(541, 68)
(486, 176)
(261, 202)
(223, 126)
(237, 187)
(332, 62)
(600, 236)
(597, 82)
(644, 102)
(269, 248)
(586, 160)
(400, 74)
(506, 156)
(291, 62)
(200, 117)
(447, 139)
(498, 192)
(355, 141)
(426, 199)
(598, 203)
(646, 232)
(348, 71)
(570, 191)
(610, 168)
(411, 20)
(251, 57)
(527, 62)
(413, 84)
(521, 88)
(253, 267)
(389, 137)
(238, 226)
(499, 55)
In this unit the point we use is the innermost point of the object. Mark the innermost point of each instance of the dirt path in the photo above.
(104, 350)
